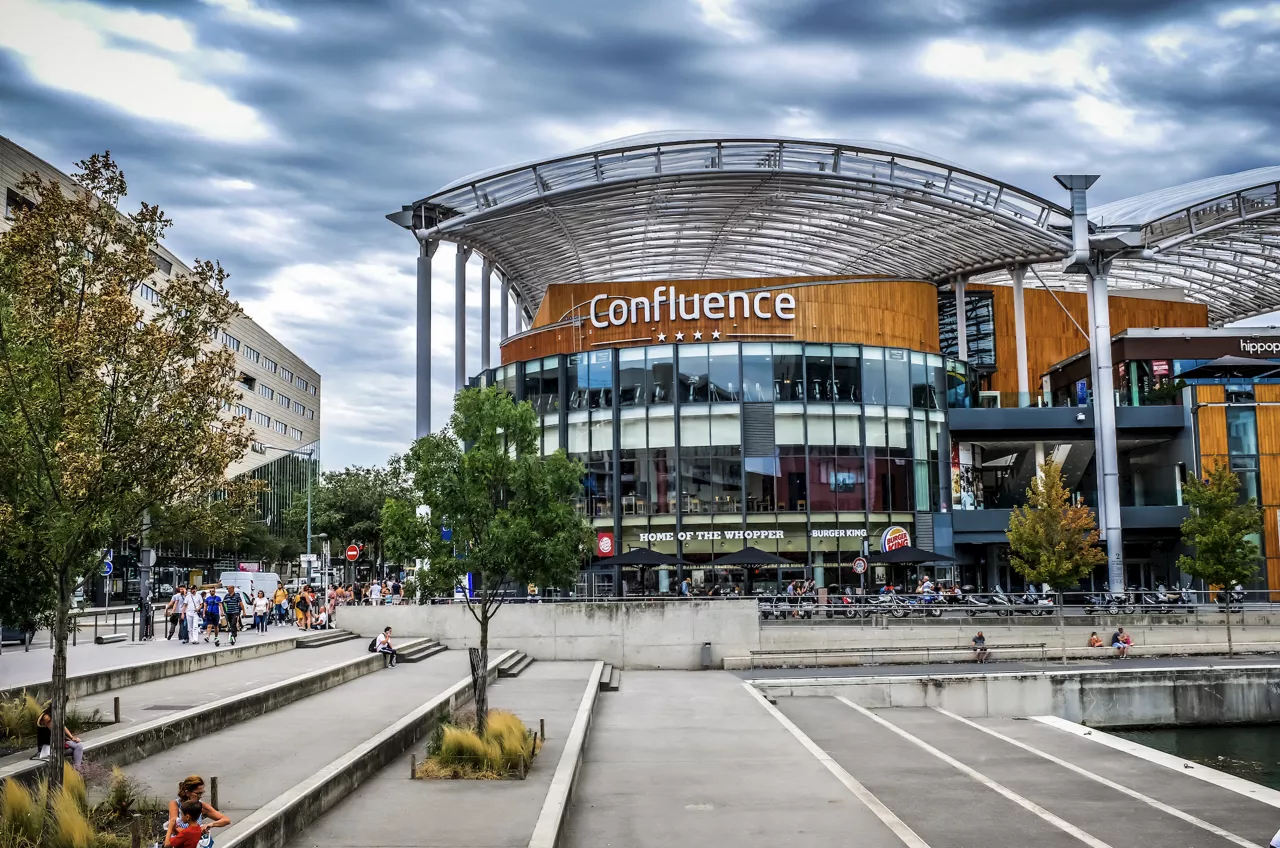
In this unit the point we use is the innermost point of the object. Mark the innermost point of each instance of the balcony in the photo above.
(1061, 422)
(982, 526)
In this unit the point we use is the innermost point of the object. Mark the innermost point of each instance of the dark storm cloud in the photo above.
(371, 105)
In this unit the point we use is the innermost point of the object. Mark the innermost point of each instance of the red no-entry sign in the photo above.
(353, 552)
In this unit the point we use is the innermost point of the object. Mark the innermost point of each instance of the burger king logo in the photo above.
(604, 544)
(894, 537)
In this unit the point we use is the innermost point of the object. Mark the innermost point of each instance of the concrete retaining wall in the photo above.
(1109, 698)
(137, 742)
(116, 678)
(276, 823)
(632, 634)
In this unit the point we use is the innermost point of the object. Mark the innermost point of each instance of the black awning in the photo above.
(909, 554)
(749, 556)
(1231, 368)
(642, 556)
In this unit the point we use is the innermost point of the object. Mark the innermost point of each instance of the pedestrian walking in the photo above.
(212, 617)
(281, 601)
(173, 612)
(303, 606)
(261, 611)
(233, 606)
(191, 608)
(375, 593)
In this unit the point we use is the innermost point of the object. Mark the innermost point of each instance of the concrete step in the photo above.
(507, 666)
(605, 676)
(615, 680)
(524, 662)
(418, 653)
(323, 638)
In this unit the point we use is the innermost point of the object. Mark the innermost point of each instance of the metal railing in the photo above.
(105, 620)
(888, 654)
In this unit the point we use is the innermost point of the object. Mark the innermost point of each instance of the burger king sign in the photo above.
(894, 537)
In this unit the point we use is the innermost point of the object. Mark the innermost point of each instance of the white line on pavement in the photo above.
(1111, 784)
(900, 829)
(1062, 824)
(1230, 782)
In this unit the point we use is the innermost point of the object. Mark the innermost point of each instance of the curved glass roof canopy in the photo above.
(669, 206)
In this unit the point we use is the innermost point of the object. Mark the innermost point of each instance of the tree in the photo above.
(1051, 540)
(509, 511)
(404, 534)
(347, 505)
(1219, 530)
(106, 409)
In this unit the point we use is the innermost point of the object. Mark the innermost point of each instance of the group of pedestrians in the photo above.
(194, 613)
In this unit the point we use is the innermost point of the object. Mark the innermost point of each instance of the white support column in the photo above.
(426, 249)
(1039, 458)
(1104, 426)
(962, 321)
(505, 309)
(486, 283)
(460, 319)
(1017, 272)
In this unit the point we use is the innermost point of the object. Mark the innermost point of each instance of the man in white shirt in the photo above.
(191, 610)
(375, 593)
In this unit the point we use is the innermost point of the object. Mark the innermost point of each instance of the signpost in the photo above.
(353, 553)
(106, 572)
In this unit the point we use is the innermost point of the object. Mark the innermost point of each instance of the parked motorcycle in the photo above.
(1110, 604)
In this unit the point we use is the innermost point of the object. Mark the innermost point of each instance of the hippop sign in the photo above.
(667, 305)
(1255, 346)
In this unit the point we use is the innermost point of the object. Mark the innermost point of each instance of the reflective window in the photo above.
(873, 375)
(533, 385)
(725, 384)
(694, 376)
(846, 373)
(788, 372)
(819, 373)
(659, 375)
(600, 379)
(631, 378)
(757, 373)
(897, 377)
(1242, 430)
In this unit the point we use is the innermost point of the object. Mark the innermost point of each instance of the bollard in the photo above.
(213, 792)
(115, 706)
(133, 624)
(95, 627)
(542, 729)
(135, 831)
(413, 767)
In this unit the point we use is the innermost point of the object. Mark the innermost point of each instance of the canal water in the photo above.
(1251, 752)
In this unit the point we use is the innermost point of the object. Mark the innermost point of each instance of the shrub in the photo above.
(459, 752)
(20, 816)
(18, 717)
(71, 828)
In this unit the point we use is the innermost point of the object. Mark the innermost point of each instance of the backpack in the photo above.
(373, 645)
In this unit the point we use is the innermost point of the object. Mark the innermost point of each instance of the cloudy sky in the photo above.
(277, 134)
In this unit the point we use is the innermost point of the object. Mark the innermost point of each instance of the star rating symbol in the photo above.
(697, 335)
(715, 334)
(679, 337)
(662, 337)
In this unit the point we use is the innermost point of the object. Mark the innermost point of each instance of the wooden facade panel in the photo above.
(888, 314)
(1269, 485)
(1051, 335)
(1268, 419)
(1212, 421)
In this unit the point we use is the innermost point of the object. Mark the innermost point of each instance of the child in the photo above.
(190, 833)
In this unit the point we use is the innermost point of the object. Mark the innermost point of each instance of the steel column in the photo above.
(460, 318)
(486, 283)
(504, 310)
(962, 321)
(1017, 272)
(1106, 451)
(426, 249)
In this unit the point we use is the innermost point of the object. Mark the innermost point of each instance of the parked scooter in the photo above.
(1232, 601)
(1109, 603)
(1025, 604)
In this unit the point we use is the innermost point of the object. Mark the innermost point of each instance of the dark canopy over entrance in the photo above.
(749, 556)
(909, 555)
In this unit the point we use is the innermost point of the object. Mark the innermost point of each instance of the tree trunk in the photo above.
(480, 674)
(58, 684)
(1230, 647)
(1062, 628)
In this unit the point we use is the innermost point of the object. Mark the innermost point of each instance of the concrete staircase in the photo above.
(610, 678)
(421, 651)
(324, 638)
(513, 665)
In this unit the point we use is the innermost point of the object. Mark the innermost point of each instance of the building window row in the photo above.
(266, 391)
(229, 340)
(281, 427)
(243, 411)
(261, 419)
(164, 266)
(286, 374)
(251, 354)
(149, 294)
(295, 434)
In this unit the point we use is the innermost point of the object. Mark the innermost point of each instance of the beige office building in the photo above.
(279, 393)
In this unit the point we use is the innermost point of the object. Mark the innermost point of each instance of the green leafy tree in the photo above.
(510, 511)
(106, 409)
(1051, 541)
(347, 506)
(404, 536)
(1220, 530)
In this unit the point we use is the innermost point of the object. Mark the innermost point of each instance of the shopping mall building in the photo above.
(824, 349)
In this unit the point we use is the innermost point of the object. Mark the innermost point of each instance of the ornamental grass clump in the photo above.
(457, 752)
(23, 814)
